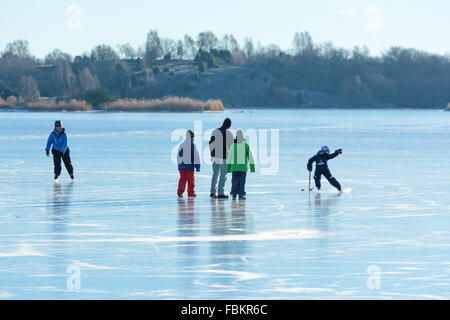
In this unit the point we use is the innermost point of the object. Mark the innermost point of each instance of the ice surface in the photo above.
(122, 225)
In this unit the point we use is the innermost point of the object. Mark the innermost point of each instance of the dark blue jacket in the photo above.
(59, 141)
(188, 157)
(321, 159)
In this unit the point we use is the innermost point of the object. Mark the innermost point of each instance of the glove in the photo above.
(340, 151)
(47, 153)
(310, 170)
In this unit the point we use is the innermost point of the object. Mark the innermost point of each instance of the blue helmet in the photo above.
(325, 149)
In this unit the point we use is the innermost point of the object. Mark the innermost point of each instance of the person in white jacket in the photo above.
(188, 161)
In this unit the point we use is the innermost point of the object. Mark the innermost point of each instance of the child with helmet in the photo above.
(321, 160)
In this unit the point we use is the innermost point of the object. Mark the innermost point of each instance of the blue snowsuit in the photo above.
(321, 160)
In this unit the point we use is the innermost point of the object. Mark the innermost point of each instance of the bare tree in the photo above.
(19, 48)
(249, 48)
(127, 51)
(206, 41)
(57, 56)
(153, 48)
(87, 80)
(180, 50)
(168, 48)
(229, 43)
(302, 43)
(29, 88)
(104, 53)
(271, 50)
(361, 55)
(189, 47)
(140, 52)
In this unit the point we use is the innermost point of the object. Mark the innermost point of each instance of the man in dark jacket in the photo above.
(220, 143)
(60, 150)
(321, 160)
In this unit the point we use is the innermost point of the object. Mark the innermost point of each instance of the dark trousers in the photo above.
(57, 156)
(238, 183)
(327, 174)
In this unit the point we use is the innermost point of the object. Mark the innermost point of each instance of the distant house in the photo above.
(52, 99)
(132, 65)
(49, 68)
(448, 106)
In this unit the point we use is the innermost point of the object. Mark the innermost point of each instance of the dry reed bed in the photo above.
(174, 104)
(171, 104)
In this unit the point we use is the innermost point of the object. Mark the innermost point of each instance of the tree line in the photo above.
(402, 77)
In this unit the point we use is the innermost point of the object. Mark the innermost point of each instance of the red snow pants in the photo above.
(186, 176)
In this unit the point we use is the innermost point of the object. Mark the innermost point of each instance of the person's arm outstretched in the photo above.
(335, 154)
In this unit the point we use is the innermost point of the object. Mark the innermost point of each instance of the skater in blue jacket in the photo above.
(60, 150)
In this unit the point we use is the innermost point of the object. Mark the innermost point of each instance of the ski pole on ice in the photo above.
(310, 189)
(309, 182)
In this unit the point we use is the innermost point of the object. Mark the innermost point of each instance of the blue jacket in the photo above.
(58, 140)
(188, 157)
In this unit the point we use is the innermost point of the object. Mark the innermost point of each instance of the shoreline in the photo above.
(5, 110)
(167, 104)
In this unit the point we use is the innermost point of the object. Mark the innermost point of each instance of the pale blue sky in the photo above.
(410, 23)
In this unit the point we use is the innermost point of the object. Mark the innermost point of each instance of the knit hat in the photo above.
(227, 123)
(240, 136)
(58, 123)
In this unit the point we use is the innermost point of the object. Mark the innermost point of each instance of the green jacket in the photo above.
(239, 157)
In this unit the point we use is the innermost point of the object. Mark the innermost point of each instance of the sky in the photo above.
(76, 26)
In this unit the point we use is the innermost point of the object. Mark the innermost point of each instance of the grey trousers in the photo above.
(220, 174)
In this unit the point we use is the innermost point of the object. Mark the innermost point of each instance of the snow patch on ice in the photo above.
(5, 295)
(85, 225)
(133, 173)
(415, 296)
(303, 290)
(408, 215)
(410, 268)
(405, 206)
(261, 236)
(24, 250)
(240, 275)
(91, 266)
(155, 293)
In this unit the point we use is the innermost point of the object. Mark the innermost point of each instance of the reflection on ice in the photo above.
(60, 204)
(322, 206)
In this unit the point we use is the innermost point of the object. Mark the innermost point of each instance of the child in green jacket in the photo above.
(240, 156)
